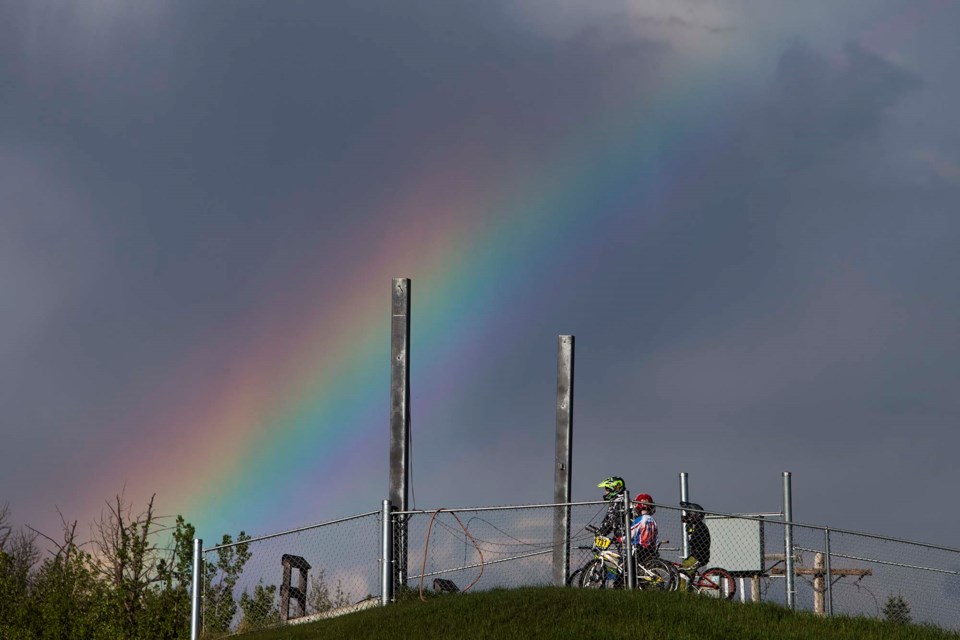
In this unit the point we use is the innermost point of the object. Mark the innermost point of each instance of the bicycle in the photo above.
(605, 570)
(714, 582)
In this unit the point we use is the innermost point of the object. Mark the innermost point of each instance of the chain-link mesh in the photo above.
(496, 547)
(871, 576)
(879, 577)
(296, 576)
(335, 567)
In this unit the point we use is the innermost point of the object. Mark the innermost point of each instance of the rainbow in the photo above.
(295, 430)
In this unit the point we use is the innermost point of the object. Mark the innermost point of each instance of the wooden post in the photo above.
(820, 576)
(287, 592)
(400, 416)
(755, 588)
(564, 457)
(818, 581)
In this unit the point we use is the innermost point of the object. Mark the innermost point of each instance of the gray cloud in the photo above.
(791, 307)
(806, 311)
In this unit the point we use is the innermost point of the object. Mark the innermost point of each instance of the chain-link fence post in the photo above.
(386, 566)
(628, 544)
(788, 539)
(684, 497)
(195, 589)
(829, 582)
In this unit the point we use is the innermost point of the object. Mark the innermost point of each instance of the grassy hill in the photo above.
(587, 615)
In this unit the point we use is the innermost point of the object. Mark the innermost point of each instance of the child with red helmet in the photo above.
(643, 531)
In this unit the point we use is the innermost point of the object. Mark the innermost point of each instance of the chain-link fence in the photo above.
(487, 548)
(337, 567)
(295, 576)
(874, 576)
(869, 575)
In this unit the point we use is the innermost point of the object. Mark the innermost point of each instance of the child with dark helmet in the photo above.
(698, 537)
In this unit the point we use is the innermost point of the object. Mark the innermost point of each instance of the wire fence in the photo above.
(295, 576)
(488, 548)
(875, 576)
(337, 567)
(835, 572)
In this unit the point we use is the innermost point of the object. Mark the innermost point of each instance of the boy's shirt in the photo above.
(612, 523)
(643, 532)
(698, 537)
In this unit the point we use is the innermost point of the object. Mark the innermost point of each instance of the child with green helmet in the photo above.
(612, 525)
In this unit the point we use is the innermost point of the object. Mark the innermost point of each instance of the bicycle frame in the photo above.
(698, 581)
(611, 558)
(608, 555)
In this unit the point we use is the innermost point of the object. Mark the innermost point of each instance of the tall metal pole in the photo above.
(386, 570)
(564, 458)
(400, 416)
(684, 497)
(195, 589)
(788, 537)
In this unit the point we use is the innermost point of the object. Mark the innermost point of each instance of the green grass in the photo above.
(586, 615)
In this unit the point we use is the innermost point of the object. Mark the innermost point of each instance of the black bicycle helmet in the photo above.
(692, 512)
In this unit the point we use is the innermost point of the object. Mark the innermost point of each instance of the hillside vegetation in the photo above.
(549, 612)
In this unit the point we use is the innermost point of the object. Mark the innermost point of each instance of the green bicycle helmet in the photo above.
(613, 487)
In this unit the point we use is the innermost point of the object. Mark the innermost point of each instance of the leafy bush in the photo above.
(134, 585)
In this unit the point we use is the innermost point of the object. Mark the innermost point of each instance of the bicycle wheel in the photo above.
(655, 575)
(675, 578)
(574, 578)
(716, 583)
(596, 576)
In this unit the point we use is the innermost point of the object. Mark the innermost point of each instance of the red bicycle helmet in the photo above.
(643, 501)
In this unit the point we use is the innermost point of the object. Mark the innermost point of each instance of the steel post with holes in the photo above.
(684, 497)
(386, 554)
(629, 569)
(400, 416)
(788, 538)
(195, 589)
(564, 457)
